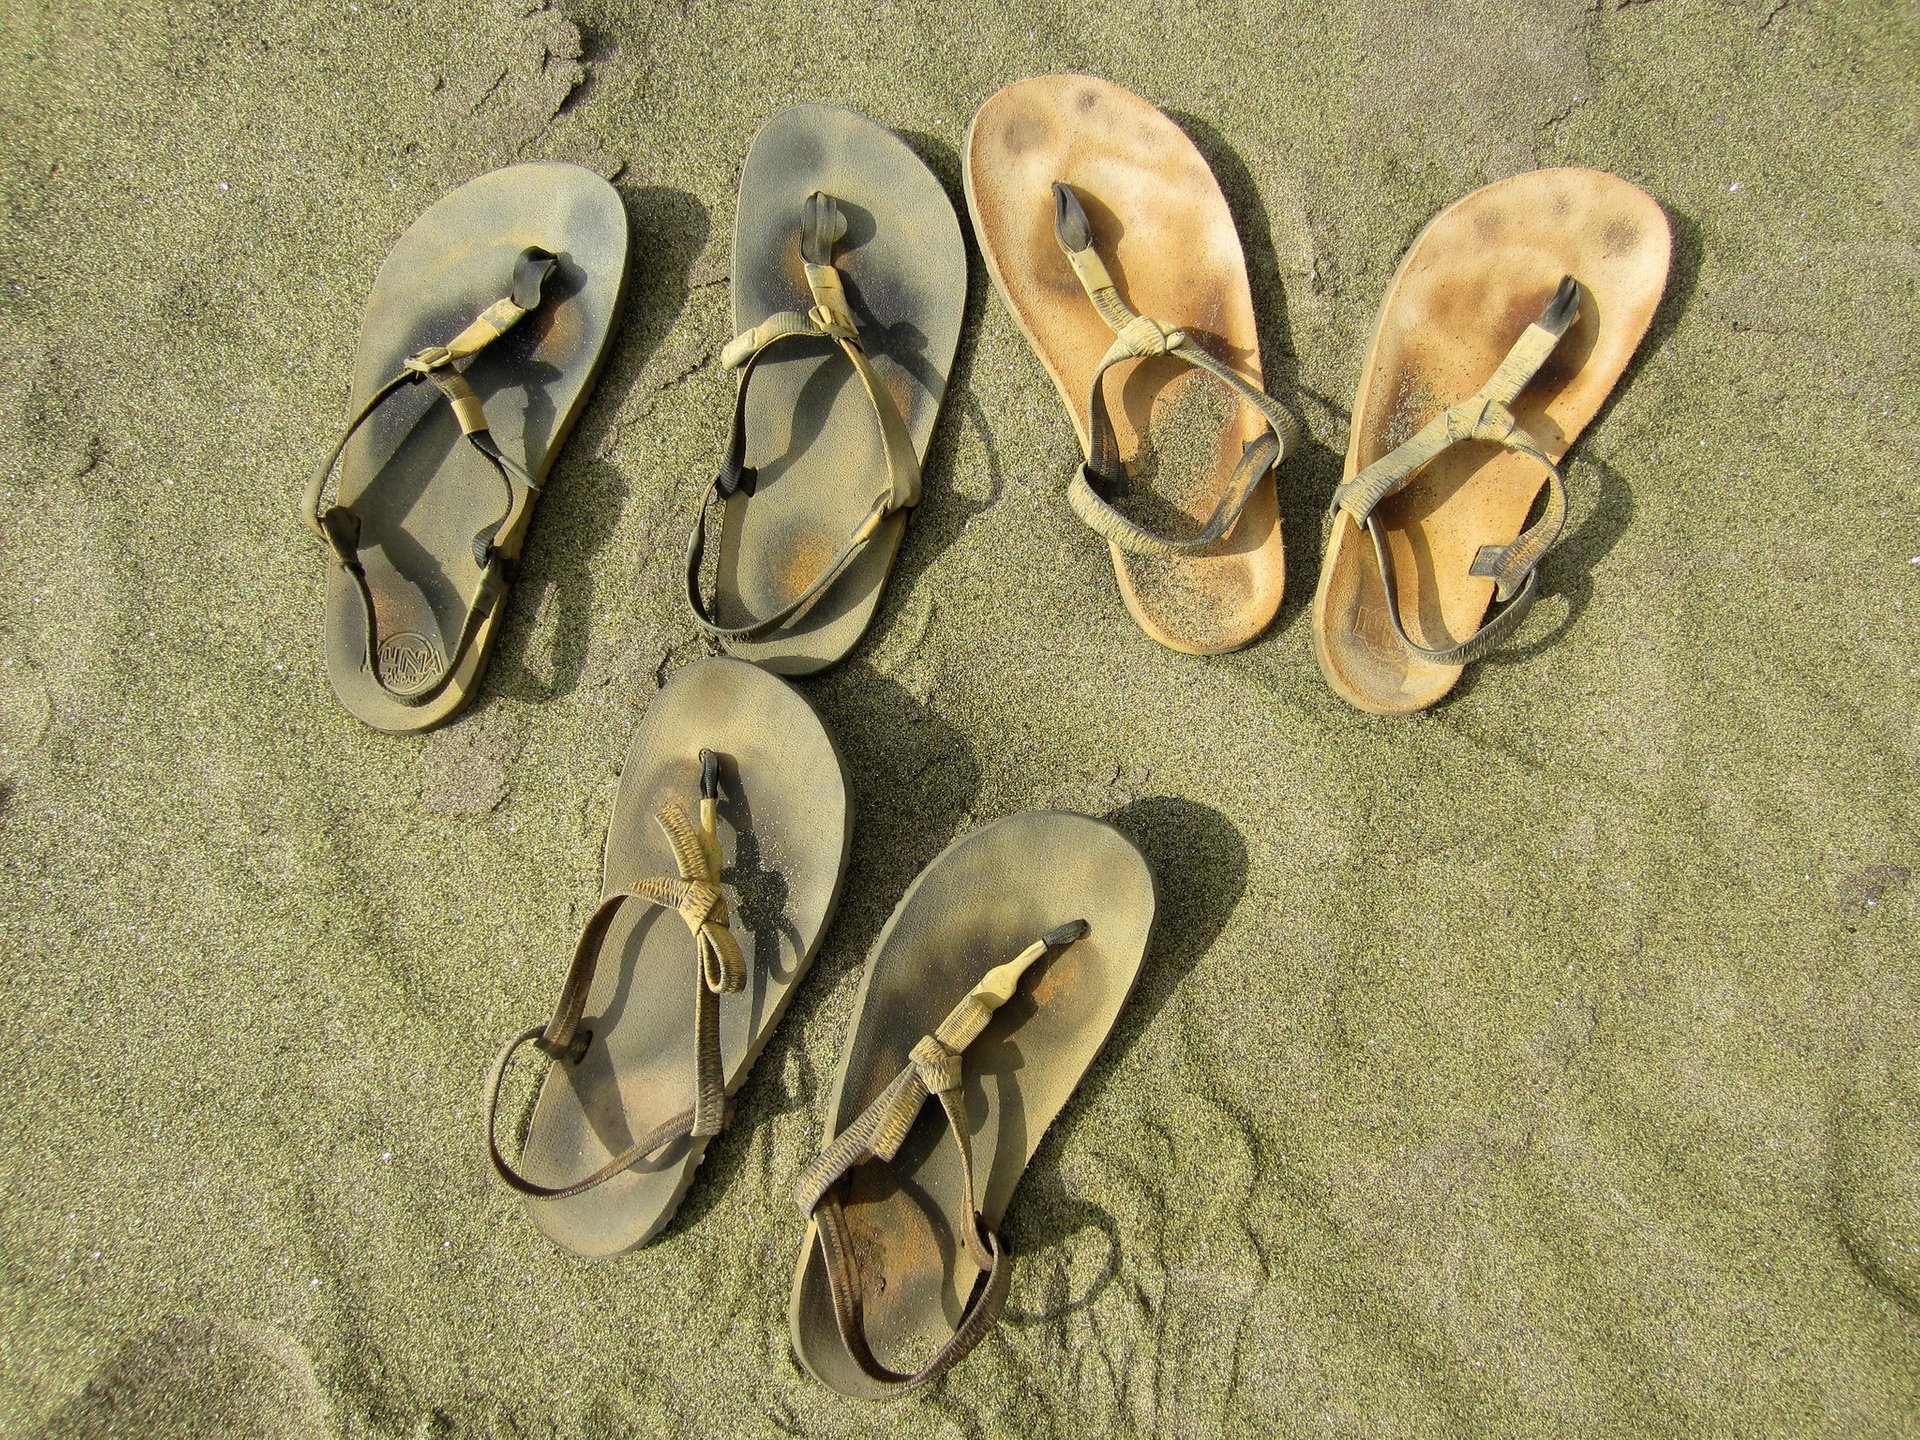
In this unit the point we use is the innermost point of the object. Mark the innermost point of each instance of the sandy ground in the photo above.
(1541, 1066)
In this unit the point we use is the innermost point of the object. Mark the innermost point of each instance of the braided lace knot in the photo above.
(696, 897)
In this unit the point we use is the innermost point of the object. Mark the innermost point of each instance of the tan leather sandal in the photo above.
(731, 820)
(1510, 321)
(991, 989)
(1108, 238)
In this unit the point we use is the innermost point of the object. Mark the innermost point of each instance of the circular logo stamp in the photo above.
(409, 662)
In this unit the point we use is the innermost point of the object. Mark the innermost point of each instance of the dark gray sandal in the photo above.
(992, 988)
(732, 816)
(849, 285)
(500, 301)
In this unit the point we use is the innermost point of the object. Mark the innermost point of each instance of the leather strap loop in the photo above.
(1482, 640)
(1257, 461)
(646, 1147)
(983, 1308)
(1137, 336)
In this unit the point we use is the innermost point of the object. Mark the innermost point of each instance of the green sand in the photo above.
(1541, 1066)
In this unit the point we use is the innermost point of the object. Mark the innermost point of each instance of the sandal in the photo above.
(1509, 323)
(500, 300)
(992, 987)
(624, 1114)
(1110, 241)
(849, 285)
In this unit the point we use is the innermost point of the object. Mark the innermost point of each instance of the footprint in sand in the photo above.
(1876, 1175)
(195, 1378)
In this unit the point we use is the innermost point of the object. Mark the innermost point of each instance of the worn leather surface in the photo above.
(984, 899)
(1476, 277)
(419, 490)
(811, 432)
(785, 826)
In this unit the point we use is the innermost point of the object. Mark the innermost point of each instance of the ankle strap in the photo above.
(821, 228)
(1484, 416)
(1103, 477)
(697, 898)
(934, 1067)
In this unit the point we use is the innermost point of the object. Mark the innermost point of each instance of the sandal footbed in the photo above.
(1474, 279)
(784, 824)
(982, 901)
(1164, 229)
(811, 432)
(419, 490)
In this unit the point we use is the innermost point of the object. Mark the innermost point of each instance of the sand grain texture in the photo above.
(1541, 1066)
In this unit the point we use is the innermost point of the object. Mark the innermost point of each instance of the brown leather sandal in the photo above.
(992, 987)
(1510, 321)
(624, 1114)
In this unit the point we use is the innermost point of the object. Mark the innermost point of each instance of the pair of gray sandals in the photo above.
(1001, 972)
(849, 286)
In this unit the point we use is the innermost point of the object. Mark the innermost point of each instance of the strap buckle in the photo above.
(836, 325)
(423, 363)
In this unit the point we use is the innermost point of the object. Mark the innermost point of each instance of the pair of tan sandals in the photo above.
(1000, 974)
(1511, 318)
